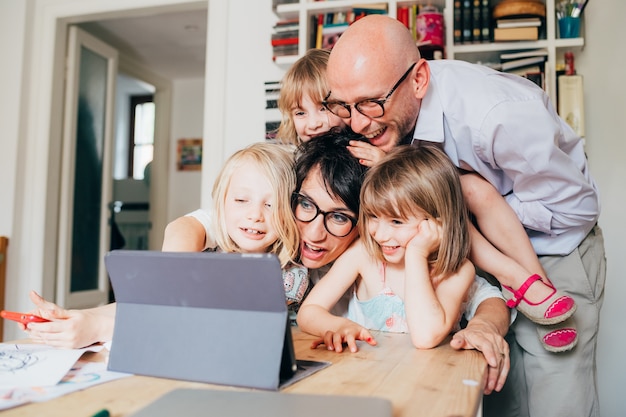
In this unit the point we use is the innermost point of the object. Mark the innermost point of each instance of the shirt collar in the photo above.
(429, 125)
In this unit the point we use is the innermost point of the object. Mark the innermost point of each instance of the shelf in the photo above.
(325, 6)
(569, 43)
(499, 46)
(286, 60)
(304, 9)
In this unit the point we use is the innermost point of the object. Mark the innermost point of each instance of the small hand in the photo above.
(70, 328)
(427, 238)
(348, 335)
(365, 152)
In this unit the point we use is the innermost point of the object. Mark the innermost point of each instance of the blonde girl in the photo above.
(409, 269)
(252, 206)
(252, 202)
(302, 91)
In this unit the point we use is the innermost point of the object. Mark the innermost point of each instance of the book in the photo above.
(284, 50)
(476, 21)
(285, 41)
(339, 17)
(382, 6)
(507, 56)
(287, 22)
(524, 70)
(412, 21)
(571, 103)
(320, 26)
(516, 34)
(285, 35)
(331, 34)
(457, 22)
(403, 16)
(286, 28)
(517, 23)
(466, 25)
(522, 62)
(362, 10)
(272, 114)
(538, 77)
(485, 10)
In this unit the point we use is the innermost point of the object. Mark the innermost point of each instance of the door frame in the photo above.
(78, 41)
(38, 176)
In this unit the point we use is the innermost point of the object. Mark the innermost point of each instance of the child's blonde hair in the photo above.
(277, 163)
(412, 181)
(307, 76)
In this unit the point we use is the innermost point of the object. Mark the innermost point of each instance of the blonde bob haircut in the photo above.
(417, 182)
(307, 76)
(277, 163)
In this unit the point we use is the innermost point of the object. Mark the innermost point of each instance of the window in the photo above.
(141, 138)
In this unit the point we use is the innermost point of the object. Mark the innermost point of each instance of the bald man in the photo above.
(504, 128)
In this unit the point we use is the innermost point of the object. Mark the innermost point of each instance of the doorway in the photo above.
(130, 199)
(36, 212)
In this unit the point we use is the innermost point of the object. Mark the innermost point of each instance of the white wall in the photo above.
(187, 123)
(244, 64)
(12, 27)
(603, 63)
(236, 97)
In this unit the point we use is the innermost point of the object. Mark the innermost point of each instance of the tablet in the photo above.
(210, 317)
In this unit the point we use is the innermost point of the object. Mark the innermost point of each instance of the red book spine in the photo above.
(287, 41)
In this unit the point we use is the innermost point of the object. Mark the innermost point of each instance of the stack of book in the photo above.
(330, 34)
(407, 15)
(285, 38)
(362, 10)
(472, 21)
(272, 114)
(330, 26)
(529, 64)
(517, 29)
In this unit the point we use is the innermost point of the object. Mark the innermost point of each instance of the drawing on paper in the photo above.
(16, 360)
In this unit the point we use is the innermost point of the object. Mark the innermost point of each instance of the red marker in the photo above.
(23, 318)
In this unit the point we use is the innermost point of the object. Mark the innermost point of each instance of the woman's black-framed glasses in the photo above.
(371, 107)
(336, 223)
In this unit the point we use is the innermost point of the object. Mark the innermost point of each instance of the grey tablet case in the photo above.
(209, 317)
(200, 403)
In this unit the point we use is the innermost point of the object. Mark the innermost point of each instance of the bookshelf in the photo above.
(305, 10)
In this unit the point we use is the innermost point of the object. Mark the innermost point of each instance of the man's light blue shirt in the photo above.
(505, 128)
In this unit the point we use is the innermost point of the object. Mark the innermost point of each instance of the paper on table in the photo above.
(82, 375)
(32, 365)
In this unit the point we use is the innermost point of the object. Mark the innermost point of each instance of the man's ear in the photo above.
(421, 78)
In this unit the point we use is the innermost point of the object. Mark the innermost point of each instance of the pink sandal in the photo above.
(560, 338)
(555, 308)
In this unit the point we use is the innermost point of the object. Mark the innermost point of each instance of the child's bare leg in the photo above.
(501, 247)
(499, 223)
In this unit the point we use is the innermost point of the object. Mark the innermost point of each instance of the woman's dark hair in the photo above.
(341, 172)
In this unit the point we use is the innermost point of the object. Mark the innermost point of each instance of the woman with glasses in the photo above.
(409, 272)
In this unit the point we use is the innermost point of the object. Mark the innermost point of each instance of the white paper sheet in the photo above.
(31, 365)
(82, 375)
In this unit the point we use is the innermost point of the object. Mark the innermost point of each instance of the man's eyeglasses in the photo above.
(336, 223)
(370, 107)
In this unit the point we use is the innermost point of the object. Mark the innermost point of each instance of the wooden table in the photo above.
(434, 382)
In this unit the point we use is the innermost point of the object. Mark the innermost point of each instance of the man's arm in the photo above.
(485, 332)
